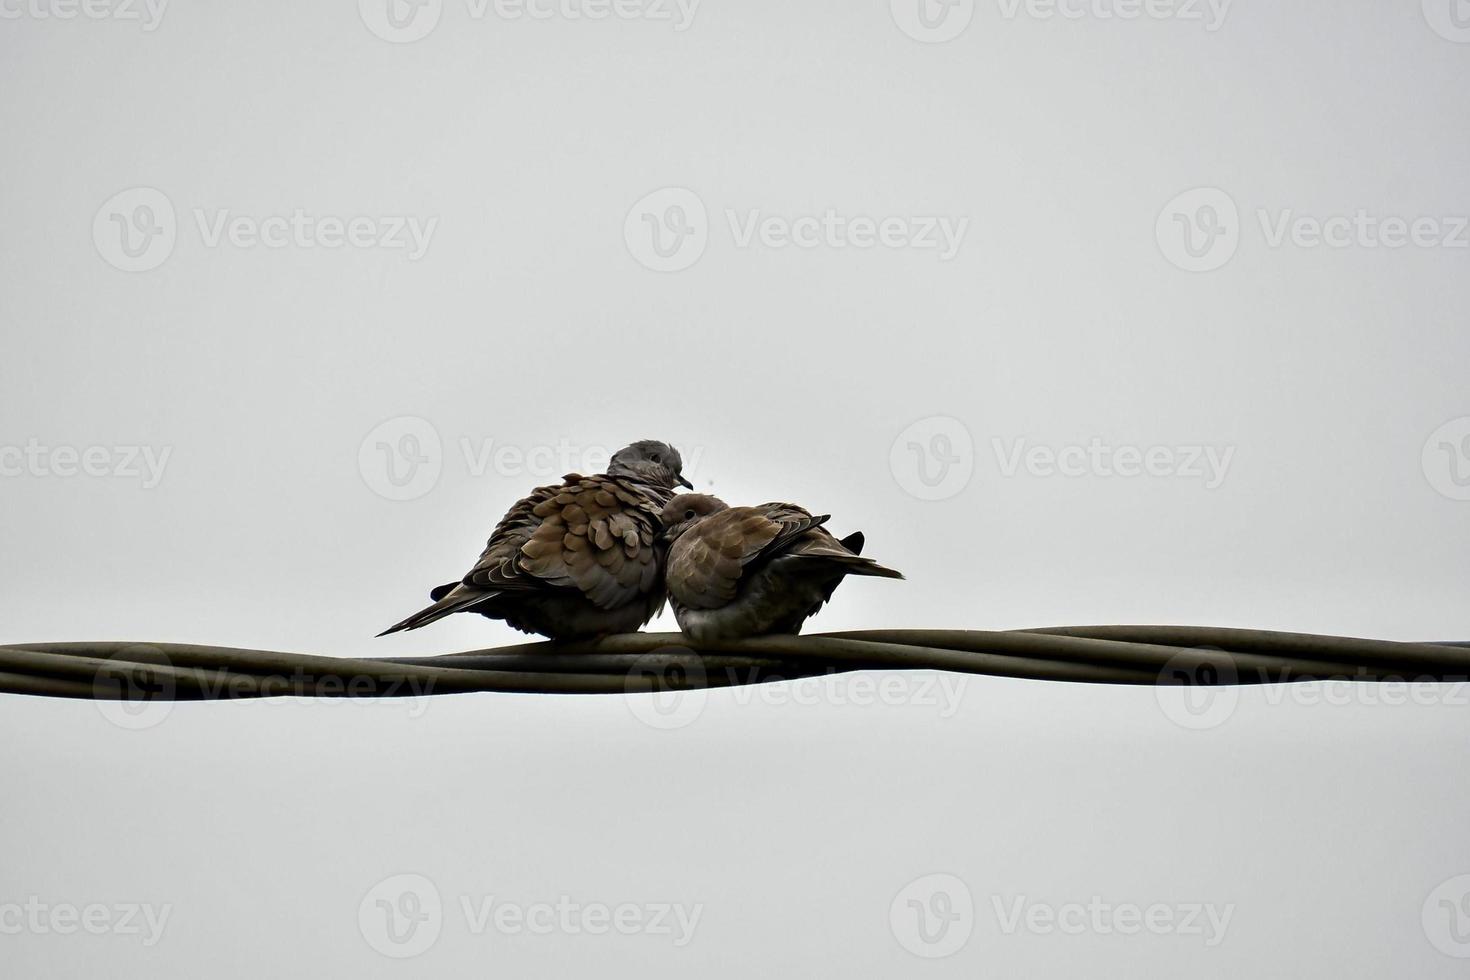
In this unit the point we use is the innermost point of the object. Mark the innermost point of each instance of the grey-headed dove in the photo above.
(749, 571)
(581, 559)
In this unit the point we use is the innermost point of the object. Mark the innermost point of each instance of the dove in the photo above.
(733, 572)
(578, 560)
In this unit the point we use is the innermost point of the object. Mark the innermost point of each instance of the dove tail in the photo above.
(867, 566)
(446, 603)
(856, 565)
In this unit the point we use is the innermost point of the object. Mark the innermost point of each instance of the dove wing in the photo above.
(593, 533)
(707, 561)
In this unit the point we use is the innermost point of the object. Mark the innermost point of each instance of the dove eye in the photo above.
(655, 458)
(689, 515)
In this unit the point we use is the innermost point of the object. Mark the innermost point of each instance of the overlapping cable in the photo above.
(641, 662)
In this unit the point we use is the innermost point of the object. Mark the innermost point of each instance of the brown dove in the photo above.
(748, 571)
(577, 560)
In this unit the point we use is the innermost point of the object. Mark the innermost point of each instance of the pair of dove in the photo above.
(597, 555)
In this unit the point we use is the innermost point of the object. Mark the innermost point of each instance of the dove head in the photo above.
(654, 463)
(687, 510)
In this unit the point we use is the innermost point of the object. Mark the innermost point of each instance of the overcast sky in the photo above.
(1086, 312)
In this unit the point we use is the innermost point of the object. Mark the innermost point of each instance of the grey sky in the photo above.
(941, 289)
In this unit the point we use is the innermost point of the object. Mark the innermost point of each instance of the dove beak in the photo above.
(683, 482)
